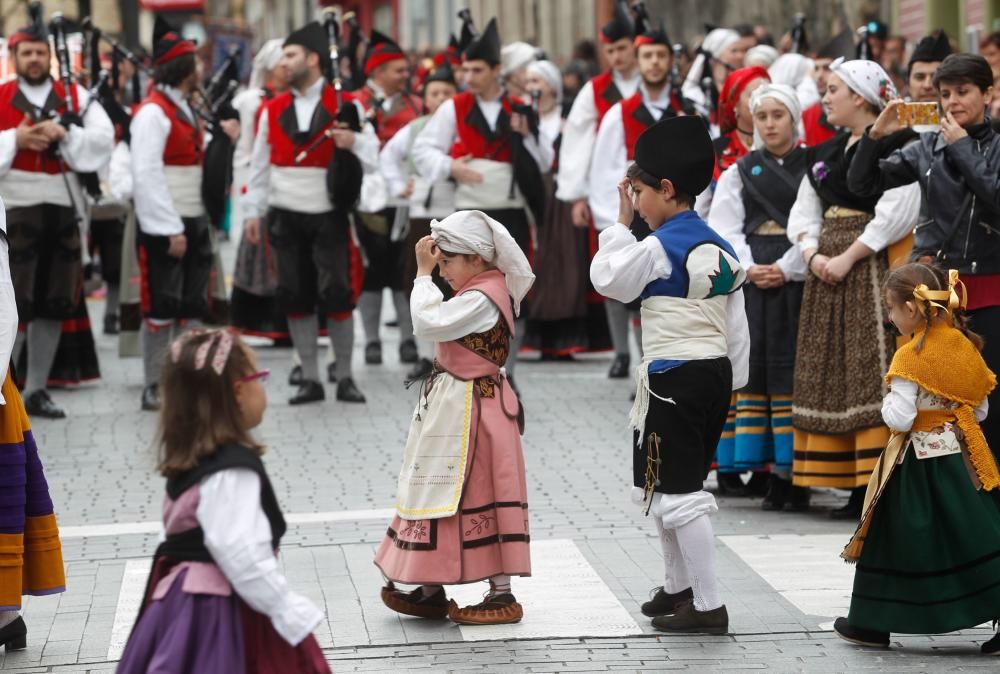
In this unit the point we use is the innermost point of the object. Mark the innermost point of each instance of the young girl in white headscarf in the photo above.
(462, 500)
(750, 209)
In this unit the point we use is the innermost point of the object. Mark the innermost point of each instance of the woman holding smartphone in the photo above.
(958, 170)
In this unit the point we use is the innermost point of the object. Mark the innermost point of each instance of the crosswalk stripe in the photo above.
(129, 601)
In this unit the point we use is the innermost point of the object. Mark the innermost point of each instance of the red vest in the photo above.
(728, 150)
(184, 144)
(283, 147)
(471, 141)
(817, 129)
(11, 117)
(606, 94)
(387, 125)
(636, 118)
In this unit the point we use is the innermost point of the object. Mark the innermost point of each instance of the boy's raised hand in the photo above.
(427, 255)
(626, 210)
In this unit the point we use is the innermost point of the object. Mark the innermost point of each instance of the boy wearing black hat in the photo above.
(654, 100)
(471, 139)
(695, 353)
(319, 267)
(425, 200)
(391, 107)
(41, 193)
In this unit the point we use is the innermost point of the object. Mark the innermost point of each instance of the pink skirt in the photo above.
(488, 536)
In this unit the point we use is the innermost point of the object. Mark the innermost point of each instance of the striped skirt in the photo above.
(842, 355)
(30, 551)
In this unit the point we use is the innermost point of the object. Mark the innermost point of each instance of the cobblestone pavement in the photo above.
(334, 467)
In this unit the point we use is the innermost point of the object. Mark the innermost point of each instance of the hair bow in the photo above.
(222, 337)
(951, 296)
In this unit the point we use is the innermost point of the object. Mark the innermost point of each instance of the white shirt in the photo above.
(579, 135)
(154, 207)
(393, 161)
(896, 214)
(623, 267)
(8, 304)
(238, 536)
(432, 148)
(442, 321)
(84, 150)
(246, 103)
(727, 217)
(609, 160)
(312, 197)
(899, 407)
(550, 126)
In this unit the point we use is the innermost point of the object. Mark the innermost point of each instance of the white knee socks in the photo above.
(697, 544)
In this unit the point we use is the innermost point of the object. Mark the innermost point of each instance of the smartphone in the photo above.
(919, 114)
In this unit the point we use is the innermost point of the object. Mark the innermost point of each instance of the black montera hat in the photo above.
(680, 150)
(486, 47)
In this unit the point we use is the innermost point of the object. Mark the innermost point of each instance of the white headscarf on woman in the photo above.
(549, 72)
(795, 70)
(867, 79)
(716, 42)
(475, 233)
(785, 95)
(266, 60)
(762, 55)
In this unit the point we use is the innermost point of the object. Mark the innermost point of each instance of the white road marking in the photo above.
(564, 597)
(805, 569)
(151, 527)
(129, 601)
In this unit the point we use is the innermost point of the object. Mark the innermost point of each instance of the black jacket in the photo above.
(961, 188)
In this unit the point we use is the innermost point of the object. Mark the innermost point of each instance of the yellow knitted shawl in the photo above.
(949, 366)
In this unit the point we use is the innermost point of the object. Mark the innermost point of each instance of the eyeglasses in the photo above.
(262, 375)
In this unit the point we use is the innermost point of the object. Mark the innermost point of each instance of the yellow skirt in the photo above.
(841, 461)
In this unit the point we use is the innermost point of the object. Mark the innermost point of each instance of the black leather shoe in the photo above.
(991, 647)
(408, 351)
(852, 510)
(348, 392)
(295, 376)
(777, 494)
(759, 483)
(14, 635)
(689, 620)
(373, 353)
(619, 367)
(331, 372)
(151, 398)
(39, 404)
(663, 603)
(309, 392)
(798, 499)
(111, 324)
(859, 636)
(420, 370)
(730, 484)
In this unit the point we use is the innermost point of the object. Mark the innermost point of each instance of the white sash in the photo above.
(184, 186)
(491, 194)
(437, 451)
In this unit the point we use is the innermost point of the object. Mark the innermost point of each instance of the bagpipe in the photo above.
(800, 43)
(215, 104)
(104, 84)
(344, 173)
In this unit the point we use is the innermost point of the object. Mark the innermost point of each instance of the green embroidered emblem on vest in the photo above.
(724, 280)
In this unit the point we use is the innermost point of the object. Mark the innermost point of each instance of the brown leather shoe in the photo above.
(414, 603)
(689, 620)
(664, 603)
(499, 609)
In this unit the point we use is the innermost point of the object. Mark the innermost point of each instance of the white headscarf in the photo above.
(761, 55)
(867, 79)
(714, 43)
(785, 95)
(267, 59)
(515, 56)
(475, 233)
(795, 70)
(548, 71)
